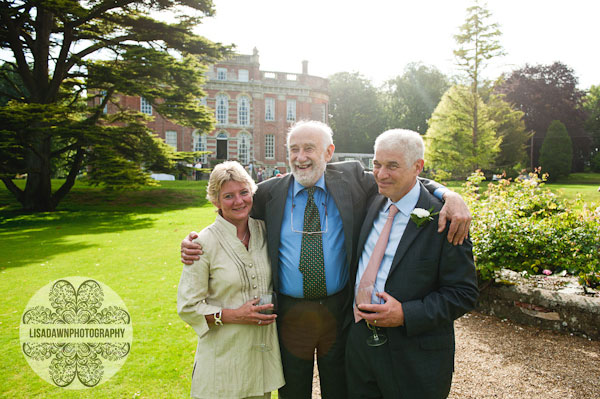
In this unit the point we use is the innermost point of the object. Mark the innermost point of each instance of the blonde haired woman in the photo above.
(218, 296)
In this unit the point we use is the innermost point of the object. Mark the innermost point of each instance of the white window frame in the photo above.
(290, 110)
(269, 108)
(221, 73)
(199, 142)
(269, 146)
(103, 94)
(145, 106)
(243, 111)
(171, 138)
(244, 148)
(243, 75)
(222, 109)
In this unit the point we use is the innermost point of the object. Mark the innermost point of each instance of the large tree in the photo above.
(556, 153)
(356, 112)
(510, 129)
(545, 93)
(477, 44)
(69, 59)
(449, 139)
(591, 104)
(411, 97)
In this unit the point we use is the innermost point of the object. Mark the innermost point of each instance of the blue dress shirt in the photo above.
(405, 206)
(334, 249)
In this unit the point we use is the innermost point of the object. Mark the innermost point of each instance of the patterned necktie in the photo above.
(367, 281)
(312, 265)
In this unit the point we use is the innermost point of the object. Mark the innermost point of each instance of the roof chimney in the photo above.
(304, 67)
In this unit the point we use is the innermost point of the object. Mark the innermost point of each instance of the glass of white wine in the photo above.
(364, 296)
(265, 299)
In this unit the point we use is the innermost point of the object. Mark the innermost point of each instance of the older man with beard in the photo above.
(313, 219)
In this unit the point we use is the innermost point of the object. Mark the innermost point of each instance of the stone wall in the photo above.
(546, 309)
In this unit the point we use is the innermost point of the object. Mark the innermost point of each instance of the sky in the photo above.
(380, 37)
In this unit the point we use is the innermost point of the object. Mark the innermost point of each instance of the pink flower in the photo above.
(547, 272)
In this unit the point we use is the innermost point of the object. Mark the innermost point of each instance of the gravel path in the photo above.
(501, 359)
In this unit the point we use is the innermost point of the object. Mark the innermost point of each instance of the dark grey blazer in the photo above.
(436, 283)
(348, 184)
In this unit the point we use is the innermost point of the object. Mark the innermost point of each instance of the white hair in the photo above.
(406, 142)
(325, 130)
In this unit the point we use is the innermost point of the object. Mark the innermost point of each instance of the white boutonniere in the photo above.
(422, 216)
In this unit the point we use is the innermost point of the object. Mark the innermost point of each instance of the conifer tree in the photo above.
(556, 154)
(71, 58)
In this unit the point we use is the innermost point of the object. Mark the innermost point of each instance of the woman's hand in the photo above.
(249, 313)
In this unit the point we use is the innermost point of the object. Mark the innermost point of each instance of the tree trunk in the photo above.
(37, 195)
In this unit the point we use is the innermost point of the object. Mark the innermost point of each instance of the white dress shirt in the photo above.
(405, 206)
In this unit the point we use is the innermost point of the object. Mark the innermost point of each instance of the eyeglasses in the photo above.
(310, 232)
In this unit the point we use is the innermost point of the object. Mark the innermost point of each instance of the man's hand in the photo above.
(456, 211)
(190, 251)
(389, 314)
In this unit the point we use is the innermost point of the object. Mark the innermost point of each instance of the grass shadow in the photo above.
(167, 196)
(47, 234)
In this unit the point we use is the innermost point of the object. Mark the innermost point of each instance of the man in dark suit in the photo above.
(313, 285)
(410, 284)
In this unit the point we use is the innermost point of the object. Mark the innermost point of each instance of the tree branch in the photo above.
(70, 180)
(61, 64)
(70, 147)
(12, 187)
(17, 49)
(101, 9)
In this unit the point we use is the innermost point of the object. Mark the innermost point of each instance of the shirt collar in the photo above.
(407, 203)
(320, 183)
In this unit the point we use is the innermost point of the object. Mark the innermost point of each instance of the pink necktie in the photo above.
(367, 281)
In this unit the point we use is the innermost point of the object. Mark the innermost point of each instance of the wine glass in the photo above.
(364, 296)
(265, 299)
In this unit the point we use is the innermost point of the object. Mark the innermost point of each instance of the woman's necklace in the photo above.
(244, 238)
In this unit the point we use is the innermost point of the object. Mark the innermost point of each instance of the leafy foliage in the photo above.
(591, 104)
(477, 43)
(70, 59)
(450, 143)
(556, 154)
(410, 99)
(524, 227)
(510, 128)
(356, 112)
(545, 93)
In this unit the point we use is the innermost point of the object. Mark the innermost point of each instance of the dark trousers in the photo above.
(306, 326)
(369, 369)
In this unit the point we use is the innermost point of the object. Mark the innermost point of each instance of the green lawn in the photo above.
(129, 241)
(583, 184)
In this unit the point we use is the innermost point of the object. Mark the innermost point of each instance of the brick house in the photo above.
(253, 109)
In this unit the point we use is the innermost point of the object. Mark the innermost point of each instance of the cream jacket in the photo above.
(227, 364)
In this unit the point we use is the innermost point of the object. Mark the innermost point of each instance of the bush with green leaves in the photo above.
(595, 163)
(556, 154)
(522, 226)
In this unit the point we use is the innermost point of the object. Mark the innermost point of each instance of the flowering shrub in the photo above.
(524, 227)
